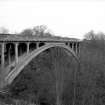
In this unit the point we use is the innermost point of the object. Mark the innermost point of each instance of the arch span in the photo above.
(19, 67)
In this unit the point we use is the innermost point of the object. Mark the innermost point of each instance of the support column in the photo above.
(28, 48)
(16, 52)
(2, 55)
(72, 46)
(76, 48)
(37, 45)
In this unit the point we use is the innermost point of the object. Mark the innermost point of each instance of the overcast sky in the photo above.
(71, 18)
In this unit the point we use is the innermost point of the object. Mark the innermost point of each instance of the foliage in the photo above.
(41, 30)
(27, 32)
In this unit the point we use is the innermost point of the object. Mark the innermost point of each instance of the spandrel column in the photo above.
(2, 54)
(76, 47)
(72, 46)
(16, 52)
(28, 47)
(37, 45)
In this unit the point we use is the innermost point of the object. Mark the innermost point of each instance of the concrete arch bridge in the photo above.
(17, 51)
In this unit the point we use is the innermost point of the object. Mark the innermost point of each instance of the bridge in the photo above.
(16, 51)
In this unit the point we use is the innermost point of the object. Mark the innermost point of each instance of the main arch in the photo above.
(19, 67)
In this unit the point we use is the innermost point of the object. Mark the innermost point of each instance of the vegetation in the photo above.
(41, 31)
(92, 59)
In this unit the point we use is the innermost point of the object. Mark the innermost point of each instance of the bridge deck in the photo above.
(14, 37)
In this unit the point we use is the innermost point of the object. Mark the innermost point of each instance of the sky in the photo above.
(67, 18)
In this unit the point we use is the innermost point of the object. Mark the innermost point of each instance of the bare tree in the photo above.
(27, 32)
(39, 30)
(90, 35)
